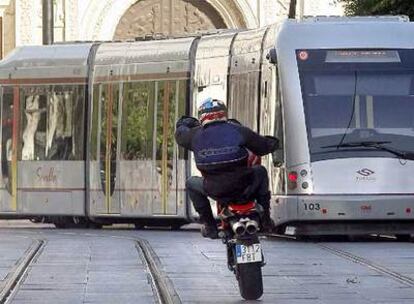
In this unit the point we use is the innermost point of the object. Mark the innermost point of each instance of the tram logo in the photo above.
(365, 174)
(46, 175)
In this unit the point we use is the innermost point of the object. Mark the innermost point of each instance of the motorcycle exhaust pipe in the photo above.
(252, 227)
(239, 228)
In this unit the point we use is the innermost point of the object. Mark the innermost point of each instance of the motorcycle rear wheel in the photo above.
(250, 280)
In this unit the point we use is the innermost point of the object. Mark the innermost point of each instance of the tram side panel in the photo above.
(152, 168)
(139, 159)
(51, 150)
(272, 123)
(210, 80)
(244, 77)
(42, 130)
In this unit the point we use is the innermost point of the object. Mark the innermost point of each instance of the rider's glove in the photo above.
(188, 121)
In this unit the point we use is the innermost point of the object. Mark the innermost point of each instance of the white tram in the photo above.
(87, 129)
(347, 100)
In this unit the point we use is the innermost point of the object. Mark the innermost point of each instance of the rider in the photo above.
(220, 147)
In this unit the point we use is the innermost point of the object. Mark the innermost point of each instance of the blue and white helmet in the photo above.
(212, 110)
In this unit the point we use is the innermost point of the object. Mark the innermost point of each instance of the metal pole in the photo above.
(292, 9)
(1, 37)
(48, 25)
(301, 9)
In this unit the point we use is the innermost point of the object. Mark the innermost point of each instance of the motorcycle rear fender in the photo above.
(242, 209)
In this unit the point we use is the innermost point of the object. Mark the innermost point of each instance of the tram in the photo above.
(87, 134)
(87, 128)
(347, 100)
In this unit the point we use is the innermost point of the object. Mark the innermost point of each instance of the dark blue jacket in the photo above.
(220, 152)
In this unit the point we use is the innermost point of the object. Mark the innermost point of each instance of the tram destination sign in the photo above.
(358, 56)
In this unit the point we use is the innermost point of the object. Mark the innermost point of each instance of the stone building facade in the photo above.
(21, 20)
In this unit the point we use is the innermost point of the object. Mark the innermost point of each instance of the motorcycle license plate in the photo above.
(248, 254)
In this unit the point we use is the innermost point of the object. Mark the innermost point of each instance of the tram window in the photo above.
(104, 133)
(182, 110)
(52, 123)
(114, 117)
(279, 153)
(146, 107)
(7, 124)
(166, 109)
(93, 153)
(6, 134)
(138, 121)
(104, 106)
(401, 117)
(320, 110)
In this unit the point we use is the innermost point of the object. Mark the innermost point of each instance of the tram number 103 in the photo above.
(311, 206)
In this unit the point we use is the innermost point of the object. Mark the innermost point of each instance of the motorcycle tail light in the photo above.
(408, 210)
(292, 180)
(242, 208)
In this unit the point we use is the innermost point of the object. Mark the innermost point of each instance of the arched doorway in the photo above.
(168, 17)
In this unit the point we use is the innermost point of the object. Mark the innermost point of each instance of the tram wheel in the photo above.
(176, 227)
(94, 225)
(38, 219)
(139, 226)
(60, 225)
(78, 222)
(60, 222)
(403, 237)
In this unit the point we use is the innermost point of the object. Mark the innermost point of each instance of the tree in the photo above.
(379, 7)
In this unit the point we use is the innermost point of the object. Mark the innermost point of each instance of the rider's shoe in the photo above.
(209, 231)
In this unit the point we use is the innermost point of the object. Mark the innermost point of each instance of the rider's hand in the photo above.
(188, 121)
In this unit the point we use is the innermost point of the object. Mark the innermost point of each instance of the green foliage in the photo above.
(379, 7)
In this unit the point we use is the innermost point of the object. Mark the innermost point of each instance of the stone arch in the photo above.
(100, 18)
(168, 17)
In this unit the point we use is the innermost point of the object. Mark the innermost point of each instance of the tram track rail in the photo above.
(396, 276)
(162, 287)
(401, 278)
(406, 280)
(17, 273)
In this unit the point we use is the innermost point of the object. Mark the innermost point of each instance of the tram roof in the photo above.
(68, 60)
(115, 53)
(347, 32)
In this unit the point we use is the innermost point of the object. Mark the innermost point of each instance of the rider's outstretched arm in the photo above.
(260, 145)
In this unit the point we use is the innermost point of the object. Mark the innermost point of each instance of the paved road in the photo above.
(104, 266)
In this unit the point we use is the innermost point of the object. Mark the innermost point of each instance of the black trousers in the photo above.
(201, 204)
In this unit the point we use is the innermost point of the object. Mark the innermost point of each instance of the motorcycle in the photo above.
(239, 232)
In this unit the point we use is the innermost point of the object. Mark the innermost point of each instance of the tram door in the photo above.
(9, 135)
(104, 167)
(152, 167)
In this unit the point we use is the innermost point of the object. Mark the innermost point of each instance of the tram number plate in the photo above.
(248, 254)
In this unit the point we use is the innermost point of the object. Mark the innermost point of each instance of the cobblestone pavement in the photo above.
(103, 266)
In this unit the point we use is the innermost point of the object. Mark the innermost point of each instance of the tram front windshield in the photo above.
(358, 102)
